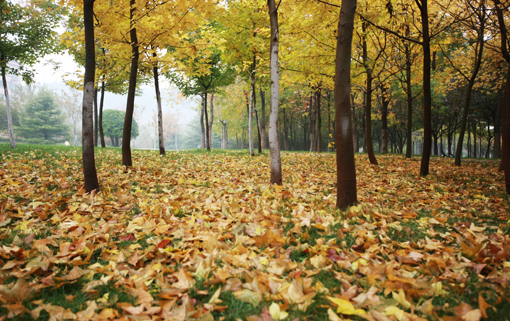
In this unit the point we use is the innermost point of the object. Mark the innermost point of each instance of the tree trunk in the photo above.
(96, 118)
(202, 127)
(475, 155)
(311, 124)
(346, 170)
(427, 93)
(409, 149)
(212, 119)
(160, 112)
(8, 107)
(130, 106)
(497, 126)
(319, 122)
(384, 119)
(368, 119)
(88, 159)
(263, 136)
(101, 105)
(274, 147)
(250, 123)
(207, 140)
(505, 161)
(467, 98)
(355, 127)
(329, 124)
(285, 130)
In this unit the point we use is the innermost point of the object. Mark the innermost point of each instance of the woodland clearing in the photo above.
(203, 236)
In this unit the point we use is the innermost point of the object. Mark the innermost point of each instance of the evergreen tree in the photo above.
(113, 126)
(43, 121)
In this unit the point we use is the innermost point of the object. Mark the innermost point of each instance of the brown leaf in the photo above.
(483, 305)
(18, 293)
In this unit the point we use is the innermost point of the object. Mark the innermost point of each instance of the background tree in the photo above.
(43, 122)
(113, 126)
(27, 32)
(70, 102)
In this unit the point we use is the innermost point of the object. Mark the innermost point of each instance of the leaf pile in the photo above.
(193, 236)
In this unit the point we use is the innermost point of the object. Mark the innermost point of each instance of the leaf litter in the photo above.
(193, 236)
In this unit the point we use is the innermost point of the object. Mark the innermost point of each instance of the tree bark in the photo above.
(8, 106)
(96, 118)
(497, 126)
(88, 159)
(212, 119)
(427, 92)
(250, 122)
(202, 127)
(355, 126)
(285, 130)
(160, 111)
(274, 147)
(471, 82)
(384, 119)
(130, 106)
(311, 124)
(505, 161)
(101, 105)
(207, 140)
(368, 119)
(329, 123)
(319, 122)
(346, 170)
(263, 136)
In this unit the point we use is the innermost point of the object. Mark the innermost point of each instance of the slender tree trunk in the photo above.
(101, 105)
(212, 119)
(274, 147)
(88, 159)
(250, 122)
(160, 111)
(355, 126)
(384, 119)
(345, 166)
(506, 133)
(319, 122)
(471, 82)
(427, 92)
(311, 124)
(368, 119)
(497, 126)
(130, 106)
(8, 106)
(285, 130)
(474, 140)
(329, 124)
(207, 140)
(263, 136)
(96, 118)
(409, 149)
(202, 127)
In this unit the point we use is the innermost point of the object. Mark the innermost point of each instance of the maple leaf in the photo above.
(18, 293)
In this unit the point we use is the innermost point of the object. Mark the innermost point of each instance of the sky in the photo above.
(183, 109)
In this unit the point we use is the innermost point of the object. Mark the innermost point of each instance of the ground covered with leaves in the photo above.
(202, 236)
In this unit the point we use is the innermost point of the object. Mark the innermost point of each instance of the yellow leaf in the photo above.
(345, 307)
(401, 298)
(356, 263)
(274, 310)
(393, 310)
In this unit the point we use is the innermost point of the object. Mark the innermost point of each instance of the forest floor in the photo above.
(203, 236)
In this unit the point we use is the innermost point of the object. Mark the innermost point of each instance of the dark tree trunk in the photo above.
(96, 118)
(207, 140)
(427, 92)
(368, 119)
(130, 106)
(384, 119)
(345, 166)
(471, 82)
(319, 122)
(88, 159)
(285, 131)
(497, 125)
(212, 119)
(505, 161)
(355, 127)
(263, 136)
(409, 149)
(202, 127)
(101, 105)
(311, 124)
(160, 111)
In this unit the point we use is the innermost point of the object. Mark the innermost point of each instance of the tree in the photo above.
(345, 167)
(88, 159)
(3, 117)
(274, 146)
(113, 126)
(43, 121)
(26, 34)
(70, 101)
